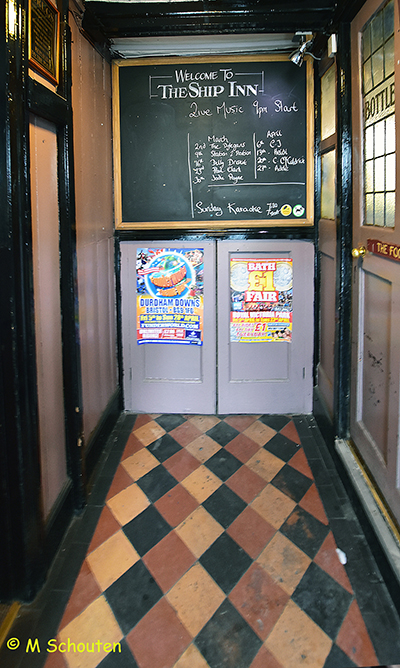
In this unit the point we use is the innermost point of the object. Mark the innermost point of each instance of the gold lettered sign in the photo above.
(44, 38)
(384, 249)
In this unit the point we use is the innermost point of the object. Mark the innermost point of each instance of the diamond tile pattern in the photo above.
(214, 550)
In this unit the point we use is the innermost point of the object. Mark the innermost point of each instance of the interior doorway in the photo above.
(376, 271)
(250, 360)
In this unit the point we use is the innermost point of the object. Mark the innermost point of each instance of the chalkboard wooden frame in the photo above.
(130, 143)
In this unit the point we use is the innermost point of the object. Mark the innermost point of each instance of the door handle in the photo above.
(359, 252)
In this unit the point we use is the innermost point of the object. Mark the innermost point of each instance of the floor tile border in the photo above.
(41, 618)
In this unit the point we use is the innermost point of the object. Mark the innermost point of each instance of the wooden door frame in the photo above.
(32, 540)
(344, 235)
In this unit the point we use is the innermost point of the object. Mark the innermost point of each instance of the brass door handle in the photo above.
(359, 252)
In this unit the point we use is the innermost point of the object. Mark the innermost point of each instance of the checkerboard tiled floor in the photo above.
(214, 549)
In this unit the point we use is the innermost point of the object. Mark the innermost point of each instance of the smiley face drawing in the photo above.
(286, 210)
(298, 210)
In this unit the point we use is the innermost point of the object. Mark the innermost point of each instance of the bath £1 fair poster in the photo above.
(261, 299)
(170, 295)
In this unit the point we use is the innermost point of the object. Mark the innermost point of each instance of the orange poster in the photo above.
(261, 299)
(170, 295)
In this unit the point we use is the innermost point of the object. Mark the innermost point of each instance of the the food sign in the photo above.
(170, 295)
(261, 299)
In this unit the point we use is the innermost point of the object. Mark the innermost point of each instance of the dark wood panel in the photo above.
(122, 19)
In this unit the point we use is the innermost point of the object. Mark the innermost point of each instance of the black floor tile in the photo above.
(323, 599)
(226, 562)
(347, 532)
(292, 483)
(305, 531)
(281, 447)
(334, 506)
(98, 494)
(132, 596)
(224, 505)
(383, 630)
(146, 530)
(321, 474)
(304, 429)
(223, 464)
(338, 659)
(276, 422)
(170, 421)
(156, 483)
(123, 659)
(50, 617)
(227, 641)
(222, 433)
(311, 448)
(163, 448)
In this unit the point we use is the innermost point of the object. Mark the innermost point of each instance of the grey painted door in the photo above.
(271, 376)
(258, 377)
(165, 377)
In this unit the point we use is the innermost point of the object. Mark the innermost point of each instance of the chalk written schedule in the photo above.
(207, 142)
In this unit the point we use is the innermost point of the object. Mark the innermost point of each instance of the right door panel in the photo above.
(375, 371)
(269, 376)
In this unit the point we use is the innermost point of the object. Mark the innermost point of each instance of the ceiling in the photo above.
(126, 25)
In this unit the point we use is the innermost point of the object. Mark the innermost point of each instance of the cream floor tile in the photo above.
(111, 559)
(199, 530)
(204, 422)
(140, 463)
(191, 658)
(203, 448)
(195, 597)
(297, 641)
(148, 433)
(259, 432)
(201, 483)
(265, 464)
(97, 625)
(284, 562)
(273, 506)
(128, 504)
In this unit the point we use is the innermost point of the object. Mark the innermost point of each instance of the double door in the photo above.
(226, 374)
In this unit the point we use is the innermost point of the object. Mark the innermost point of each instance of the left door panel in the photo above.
(168, 377)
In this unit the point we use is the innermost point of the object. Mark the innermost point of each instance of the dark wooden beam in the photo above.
(114, 19)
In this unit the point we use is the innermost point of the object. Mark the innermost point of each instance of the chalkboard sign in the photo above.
(213, 143)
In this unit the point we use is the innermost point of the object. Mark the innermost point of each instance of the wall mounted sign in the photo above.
(217, 142)
(261, 299)
(170, 295)
(43, 38)
(382, 248)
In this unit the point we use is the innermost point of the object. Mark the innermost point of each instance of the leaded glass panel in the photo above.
(379, 124)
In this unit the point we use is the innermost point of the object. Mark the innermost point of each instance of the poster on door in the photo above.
(169, 290)
(261, 299)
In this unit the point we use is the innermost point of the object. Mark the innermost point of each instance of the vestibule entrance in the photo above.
(255, 355)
